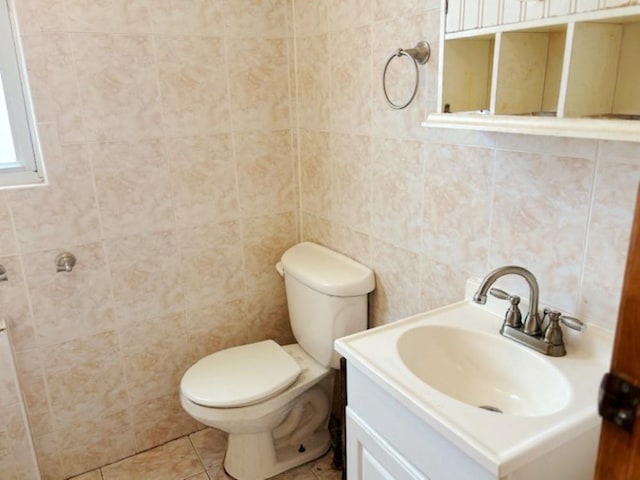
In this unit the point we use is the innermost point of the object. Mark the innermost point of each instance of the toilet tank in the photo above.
(326, 296)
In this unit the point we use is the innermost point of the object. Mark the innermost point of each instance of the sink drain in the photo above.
(490, 408)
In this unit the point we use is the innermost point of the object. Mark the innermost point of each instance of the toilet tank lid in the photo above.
(327, 271)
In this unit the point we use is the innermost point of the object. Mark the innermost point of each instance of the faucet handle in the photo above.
(513, 317)
(498, 293)
(573, 323)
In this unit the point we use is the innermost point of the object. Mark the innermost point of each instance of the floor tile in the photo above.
(199, 476)
(175, 460)
(92, 475)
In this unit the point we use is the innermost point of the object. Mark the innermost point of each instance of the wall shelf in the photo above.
(573, 75)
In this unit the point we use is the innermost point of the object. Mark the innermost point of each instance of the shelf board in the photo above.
(611, 15)
(606, 129)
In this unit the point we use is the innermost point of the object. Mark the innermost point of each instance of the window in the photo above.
(20, 159)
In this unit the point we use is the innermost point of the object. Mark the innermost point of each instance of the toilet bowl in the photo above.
(275, 401)
(252, 427)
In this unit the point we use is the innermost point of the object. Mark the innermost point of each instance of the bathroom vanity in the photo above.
(425, 395)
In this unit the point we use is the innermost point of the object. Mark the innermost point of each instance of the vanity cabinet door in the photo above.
(369, 457)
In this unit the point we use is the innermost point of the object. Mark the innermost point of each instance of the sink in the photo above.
(483, 370)
(434, 369)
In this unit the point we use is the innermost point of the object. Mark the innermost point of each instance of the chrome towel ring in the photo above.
(420, 54)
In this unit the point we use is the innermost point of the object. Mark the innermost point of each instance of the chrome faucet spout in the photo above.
(532, 323)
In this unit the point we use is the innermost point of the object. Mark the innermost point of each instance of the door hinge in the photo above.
(618, 401)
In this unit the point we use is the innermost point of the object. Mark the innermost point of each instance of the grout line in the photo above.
(587, 227)
(296, 128)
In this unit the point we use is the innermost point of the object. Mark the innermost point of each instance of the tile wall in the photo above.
(429, 208)
(173, 132)
(167, 133)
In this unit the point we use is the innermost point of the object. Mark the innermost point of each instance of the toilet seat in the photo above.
(240, 376)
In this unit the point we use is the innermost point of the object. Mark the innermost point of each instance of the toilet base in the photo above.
(266, 459)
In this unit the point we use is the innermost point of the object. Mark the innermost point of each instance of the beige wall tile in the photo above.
(193, 85)
(145, 275)
(8, 244)
(108, 16)
(260, 90)
(265, 240)
(133, 187)
(442, 284)
(156, 422)
(54, 85)
(70, 305)
(95, 441)
(311, 17)
(351, 243)
(84, 378)
(349, 14)
(57, 216)
(384, 9)
(313, 82)
(203, 179)
(397, 275)
(316, 229)
(542, 226)
(216, 327)
(250, 19)
(396, 192)
(616, 186)
(156, 355)
(211, 263)
(265, 172)
(351, 181)
(118, 86)
(351, 81)
(197, 17)
(315, 171)
(37, 16)
(457, 205)
(268, 314)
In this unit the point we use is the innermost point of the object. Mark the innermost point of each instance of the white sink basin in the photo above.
(483, 370)
(443, 364)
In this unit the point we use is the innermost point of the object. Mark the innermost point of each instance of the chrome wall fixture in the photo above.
(420, 54)
(65, 262)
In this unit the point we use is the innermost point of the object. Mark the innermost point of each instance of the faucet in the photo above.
(532, 323)
(550, 342)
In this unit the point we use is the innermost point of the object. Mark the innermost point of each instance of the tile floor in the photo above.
(198, 456)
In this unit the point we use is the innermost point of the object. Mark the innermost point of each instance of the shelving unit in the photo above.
(567, 75)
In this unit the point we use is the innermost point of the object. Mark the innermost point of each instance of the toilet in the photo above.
(274, 401)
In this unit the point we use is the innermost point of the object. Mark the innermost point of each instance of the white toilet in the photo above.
(275, 401)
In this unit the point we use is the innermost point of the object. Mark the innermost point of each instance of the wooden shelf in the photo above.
(579, 69)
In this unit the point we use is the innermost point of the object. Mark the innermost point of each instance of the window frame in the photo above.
(29, 169)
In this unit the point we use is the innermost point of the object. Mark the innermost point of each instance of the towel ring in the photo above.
(420, 55)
